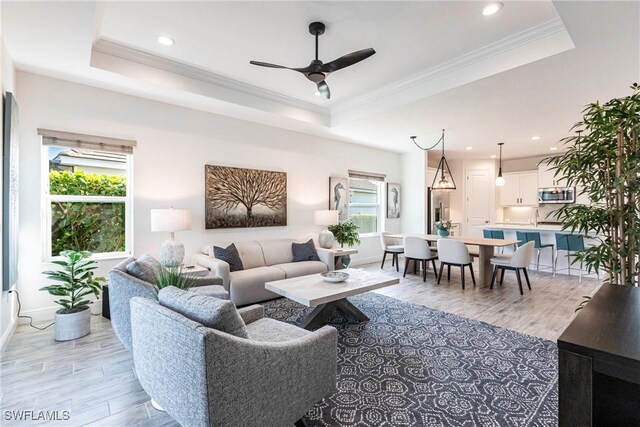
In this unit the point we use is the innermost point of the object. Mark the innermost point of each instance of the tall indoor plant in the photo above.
(603, 160)
(76, 281)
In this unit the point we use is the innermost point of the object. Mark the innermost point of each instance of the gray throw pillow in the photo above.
(145, 268)
(229, 255)
(209, 311)
(304, 251)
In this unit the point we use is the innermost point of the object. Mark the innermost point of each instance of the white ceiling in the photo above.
(525, 71)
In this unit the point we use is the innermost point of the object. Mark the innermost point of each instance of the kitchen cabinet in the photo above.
(520, 189)
(547, 178)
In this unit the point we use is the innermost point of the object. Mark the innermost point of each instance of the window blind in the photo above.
(367, 175)
(87, 142)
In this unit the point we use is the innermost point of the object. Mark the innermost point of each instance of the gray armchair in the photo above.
(204, 377)
(123, 287)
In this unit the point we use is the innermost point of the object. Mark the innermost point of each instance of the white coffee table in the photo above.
(326, 297)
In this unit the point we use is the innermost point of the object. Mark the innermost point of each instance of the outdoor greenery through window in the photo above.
(364, 204)
(88, 200)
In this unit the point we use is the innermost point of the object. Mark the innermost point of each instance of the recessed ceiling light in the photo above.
(553, 148)
(491, 8)
(535, 138)
(469, 148)
(166, 40)
(493, 156)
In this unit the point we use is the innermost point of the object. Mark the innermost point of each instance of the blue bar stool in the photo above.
(571, 243)
(488, 233)
(534, 236)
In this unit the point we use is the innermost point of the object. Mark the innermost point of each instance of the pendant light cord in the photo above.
(413, 138)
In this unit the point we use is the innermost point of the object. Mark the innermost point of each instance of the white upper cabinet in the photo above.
(519, 189)
(546, 177)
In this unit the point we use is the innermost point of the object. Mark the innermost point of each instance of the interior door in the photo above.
(478, 197)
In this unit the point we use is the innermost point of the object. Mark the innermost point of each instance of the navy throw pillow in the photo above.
(229, 255)
(304, 251)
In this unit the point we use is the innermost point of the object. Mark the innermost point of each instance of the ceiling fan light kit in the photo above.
(317, 71)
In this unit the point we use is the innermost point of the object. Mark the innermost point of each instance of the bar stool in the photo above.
(534, 236)
(571, 243)
(488, 233)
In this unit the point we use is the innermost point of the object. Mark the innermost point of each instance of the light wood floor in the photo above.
(94, 379)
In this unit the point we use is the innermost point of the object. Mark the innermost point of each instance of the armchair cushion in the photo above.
(209, 311)
(304, 251)
(144, 268)
(270, 330)
(229, 255)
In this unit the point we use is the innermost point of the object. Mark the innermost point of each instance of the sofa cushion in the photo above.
(247, 286)
(229, 255)
(276, 251)
(250, 254)
(209, 311)
(302, 268)
(304, 251)
(270, 330)
(145, 268)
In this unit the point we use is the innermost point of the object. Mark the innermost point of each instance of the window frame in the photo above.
(47, 199)
(380, 202)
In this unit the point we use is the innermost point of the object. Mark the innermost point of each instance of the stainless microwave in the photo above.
(557, 195)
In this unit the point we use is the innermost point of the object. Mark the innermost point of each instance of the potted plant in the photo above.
(76, 281)
(443, 228)
(604, 162)
(173, 276)
(345, 232)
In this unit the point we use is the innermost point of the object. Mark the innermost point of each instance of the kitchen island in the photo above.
(547, 236)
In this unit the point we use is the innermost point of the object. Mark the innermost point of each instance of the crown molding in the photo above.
(117, 50)
(518, 40)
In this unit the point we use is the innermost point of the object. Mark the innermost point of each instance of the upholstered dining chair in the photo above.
(391, 245)
(518, 262)
(417, 249)
(454, 252)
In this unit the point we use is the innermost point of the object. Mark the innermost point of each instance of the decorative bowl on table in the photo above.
(334, 276)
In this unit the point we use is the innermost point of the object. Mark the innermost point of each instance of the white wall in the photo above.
(414, 188)
(174, 144)
(7, 301)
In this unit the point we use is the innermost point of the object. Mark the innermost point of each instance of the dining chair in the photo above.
(534, 236)
(454, 252)
(391, 246)
(418, 250)
(517, 262)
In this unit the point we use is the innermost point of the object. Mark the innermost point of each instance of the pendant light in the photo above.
(443, 179)
(500, 179)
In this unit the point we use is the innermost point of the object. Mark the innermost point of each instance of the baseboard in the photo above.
(6, 336)
(39, 315)
(368, 260)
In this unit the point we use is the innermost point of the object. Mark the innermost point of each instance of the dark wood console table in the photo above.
(599, 361)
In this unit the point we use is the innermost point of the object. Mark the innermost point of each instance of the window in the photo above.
(365, 202)
(88, 197)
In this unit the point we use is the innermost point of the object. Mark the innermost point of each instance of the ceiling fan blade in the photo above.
(266, 64)
(347, 60)
(323, 88)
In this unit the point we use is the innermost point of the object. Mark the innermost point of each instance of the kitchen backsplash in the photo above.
(524, 214)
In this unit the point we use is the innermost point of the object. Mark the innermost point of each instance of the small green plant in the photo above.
(76, 281)
(443, 225)
(345, 232)
(583, 304)
(172, 276)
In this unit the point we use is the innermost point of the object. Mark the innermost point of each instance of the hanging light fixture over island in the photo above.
(500, 179)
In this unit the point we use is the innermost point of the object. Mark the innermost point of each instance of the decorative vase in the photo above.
(345, 261)
(73, 325)
(326, 239)
(443, 233)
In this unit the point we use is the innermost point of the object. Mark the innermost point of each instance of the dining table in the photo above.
(486, 250)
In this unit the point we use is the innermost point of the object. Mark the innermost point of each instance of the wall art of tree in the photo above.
(237, 197)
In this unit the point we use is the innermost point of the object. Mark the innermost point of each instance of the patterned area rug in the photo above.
(414, 366)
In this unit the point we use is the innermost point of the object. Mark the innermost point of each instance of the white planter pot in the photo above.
(72, 326)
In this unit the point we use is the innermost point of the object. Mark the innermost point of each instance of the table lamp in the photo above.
(171, 251)
(326, 217)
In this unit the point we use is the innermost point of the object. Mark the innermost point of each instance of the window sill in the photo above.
(365, 235)
(97, 257)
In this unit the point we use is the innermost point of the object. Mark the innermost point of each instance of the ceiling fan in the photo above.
(317, 71)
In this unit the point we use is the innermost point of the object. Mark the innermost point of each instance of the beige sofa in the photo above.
(263, 261)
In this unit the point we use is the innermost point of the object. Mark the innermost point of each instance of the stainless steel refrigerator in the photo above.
(438, 203)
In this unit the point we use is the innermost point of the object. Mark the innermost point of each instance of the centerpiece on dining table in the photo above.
(443, 227)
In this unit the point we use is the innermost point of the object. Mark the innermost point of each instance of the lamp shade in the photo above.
(325, 217)
(170, 220)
